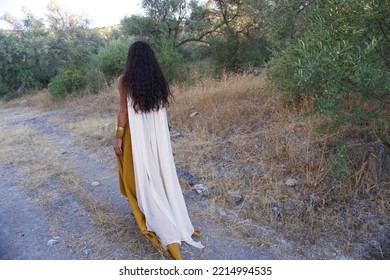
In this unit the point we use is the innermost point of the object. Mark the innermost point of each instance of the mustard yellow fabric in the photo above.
(128, 189)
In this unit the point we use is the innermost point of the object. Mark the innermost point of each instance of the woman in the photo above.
(147, 174)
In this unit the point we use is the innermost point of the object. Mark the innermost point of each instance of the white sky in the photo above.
(100, 12)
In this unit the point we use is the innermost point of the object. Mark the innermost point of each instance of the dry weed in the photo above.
(94, 129)
(238, 135)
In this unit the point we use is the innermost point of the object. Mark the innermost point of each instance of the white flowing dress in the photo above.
(159, 194)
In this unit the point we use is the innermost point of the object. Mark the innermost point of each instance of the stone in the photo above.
(291, 183)
(187, 176)
(234, 198)
(201, 189)
(53, 241)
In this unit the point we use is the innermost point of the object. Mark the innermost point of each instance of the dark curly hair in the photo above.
(144, 80)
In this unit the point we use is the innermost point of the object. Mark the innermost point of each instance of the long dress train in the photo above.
(147, 177)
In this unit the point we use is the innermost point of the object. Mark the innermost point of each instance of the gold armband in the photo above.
(119, 131)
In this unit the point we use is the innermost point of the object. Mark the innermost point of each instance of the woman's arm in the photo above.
(122, 116)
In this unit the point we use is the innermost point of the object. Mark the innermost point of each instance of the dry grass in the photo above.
(244, 138)
(96, 130)
(32, 153)
(39, 100)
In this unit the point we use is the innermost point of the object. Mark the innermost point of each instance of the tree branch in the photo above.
(200, 38)
(191, 40)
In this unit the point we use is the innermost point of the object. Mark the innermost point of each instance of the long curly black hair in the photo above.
(144, 80)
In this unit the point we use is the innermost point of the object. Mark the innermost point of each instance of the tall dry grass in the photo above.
(245, 138)
(237, 134)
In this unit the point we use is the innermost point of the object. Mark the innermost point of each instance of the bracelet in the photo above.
(119, 131)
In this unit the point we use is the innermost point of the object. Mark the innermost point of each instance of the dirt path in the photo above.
(61, 201)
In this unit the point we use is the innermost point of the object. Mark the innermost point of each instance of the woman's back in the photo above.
(144, 95)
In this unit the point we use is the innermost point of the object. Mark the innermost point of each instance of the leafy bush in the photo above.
(76, 78)
(70, 79)
(235, 52)
(224, 53)
(171, 61)
(328, 49)
(95, 79)
(112, 58)
(32, 53)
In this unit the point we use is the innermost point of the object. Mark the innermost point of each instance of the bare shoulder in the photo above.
(120, 81)
(121, 85)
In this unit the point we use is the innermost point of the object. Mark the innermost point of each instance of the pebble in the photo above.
(53, 241)
(201, 189)
(291, 183)
(234, 198)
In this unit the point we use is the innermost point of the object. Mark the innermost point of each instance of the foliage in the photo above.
(330, 49)
(171, 62)
(162, 23)
(230, 30)
(69, 79)
(111, 58)
(76, 78)
(62, 20)
(32, 54)
(338, 164)
(95, 79)
(235, 52)
(20, 55)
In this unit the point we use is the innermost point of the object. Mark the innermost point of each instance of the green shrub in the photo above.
(236, 52)
(171, 62)
(112, 58)
(95, 79)
(224, 53)
(338, 165)
(69, 80)
(331, 49)
(4, 90)
(76, 79)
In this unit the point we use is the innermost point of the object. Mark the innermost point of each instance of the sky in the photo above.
(101, 13)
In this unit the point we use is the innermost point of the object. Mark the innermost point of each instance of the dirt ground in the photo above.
(61, 201)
